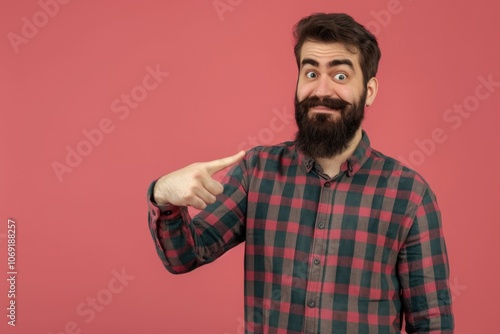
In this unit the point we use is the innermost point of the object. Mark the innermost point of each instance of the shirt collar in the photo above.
(352, 164)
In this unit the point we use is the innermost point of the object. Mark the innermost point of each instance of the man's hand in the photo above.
(193, 185)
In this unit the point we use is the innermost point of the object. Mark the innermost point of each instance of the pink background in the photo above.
(230, 75)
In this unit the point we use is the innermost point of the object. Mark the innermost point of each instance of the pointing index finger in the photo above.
(219, 164)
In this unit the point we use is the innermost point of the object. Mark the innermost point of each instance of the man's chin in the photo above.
(324, 117)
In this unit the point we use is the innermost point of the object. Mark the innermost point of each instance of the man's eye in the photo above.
(311, 75)
(340, 76)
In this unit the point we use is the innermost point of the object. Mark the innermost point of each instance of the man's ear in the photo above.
(371, 90)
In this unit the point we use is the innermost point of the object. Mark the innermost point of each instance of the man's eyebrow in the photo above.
(310, 62)
(337, 62)
(333, 63)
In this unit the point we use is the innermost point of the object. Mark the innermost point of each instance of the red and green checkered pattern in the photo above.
(349, 254)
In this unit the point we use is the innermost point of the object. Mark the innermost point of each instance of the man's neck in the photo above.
(331, 166)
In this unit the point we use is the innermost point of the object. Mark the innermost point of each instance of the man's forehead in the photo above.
(328, 51)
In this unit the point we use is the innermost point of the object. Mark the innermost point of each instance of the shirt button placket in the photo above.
(317, 251)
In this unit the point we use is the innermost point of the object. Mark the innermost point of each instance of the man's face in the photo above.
(330, 99)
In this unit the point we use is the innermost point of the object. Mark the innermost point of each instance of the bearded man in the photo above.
(339, 238)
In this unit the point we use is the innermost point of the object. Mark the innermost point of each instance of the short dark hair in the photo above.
(339, 28)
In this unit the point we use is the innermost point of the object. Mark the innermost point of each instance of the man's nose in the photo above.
(324, 87)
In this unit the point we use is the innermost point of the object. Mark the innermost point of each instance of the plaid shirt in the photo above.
(348, 254)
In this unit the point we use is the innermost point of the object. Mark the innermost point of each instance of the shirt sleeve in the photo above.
(424, 272)
(184, 243)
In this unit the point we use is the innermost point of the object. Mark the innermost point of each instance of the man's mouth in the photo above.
(324, 109)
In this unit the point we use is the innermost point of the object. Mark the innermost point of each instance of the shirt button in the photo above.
(321, 225)
(316, 261)
(311, 303)
(327, 184)
(168, 212)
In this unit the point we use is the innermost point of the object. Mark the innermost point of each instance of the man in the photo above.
(339, 238)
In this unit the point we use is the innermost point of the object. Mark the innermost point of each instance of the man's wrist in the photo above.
(156, 198)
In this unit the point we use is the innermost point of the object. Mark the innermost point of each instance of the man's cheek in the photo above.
(303, 91)
(346, 94)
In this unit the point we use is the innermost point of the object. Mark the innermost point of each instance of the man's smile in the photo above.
(323, 109)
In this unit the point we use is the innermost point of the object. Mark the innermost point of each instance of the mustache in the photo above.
(315, 101)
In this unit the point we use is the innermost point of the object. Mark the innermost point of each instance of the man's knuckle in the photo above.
(190, 196)
(196, 174)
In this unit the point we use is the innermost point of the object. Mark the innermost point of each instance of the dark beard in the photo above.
(326, 135)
